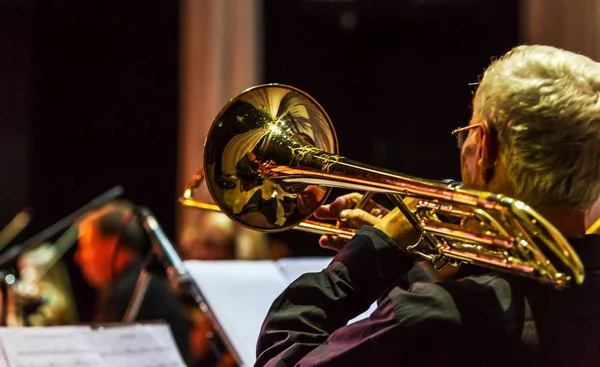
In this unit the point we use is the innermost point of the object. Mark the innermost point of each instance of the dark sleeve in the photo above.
(416, 327)
(456, 323)
(317, 304)
(459, 322)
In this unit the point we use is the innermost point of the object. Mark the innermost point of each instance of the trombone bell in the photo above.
(254, 142)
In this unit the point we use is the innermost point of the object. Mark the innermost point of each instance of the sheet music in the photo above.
(137, 346)
(50, 346)
(164, 338)
(239, 293)
(292, 268)
(3, 358)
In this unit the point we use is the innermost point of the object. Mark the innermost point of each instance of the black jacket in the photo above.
(483, 320)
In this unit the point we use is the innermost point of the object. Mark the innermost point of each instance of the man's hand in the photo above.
(342, 210)
(398, 227)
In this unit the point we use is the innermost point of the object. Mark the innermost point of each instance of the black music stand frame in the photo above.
(163, 250)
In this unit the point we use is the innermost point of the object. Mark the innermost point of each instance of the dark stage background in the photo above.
(392, 75)
(89, 93)
(95, 93)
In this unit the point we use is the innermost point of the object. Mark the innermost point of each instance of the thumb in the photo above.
(357, 218)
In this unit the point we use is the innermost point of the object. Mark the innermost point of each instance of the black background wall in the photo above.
(394, 76)
(92, 103)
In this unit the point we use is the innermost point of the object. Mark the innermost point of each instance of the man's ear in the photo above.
(488, 153)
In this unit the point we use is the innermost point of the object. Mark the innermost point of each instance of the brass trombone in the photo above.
(271, 159)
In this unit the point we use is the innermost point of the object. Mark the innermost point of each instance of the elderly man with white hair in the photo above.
(534, 136)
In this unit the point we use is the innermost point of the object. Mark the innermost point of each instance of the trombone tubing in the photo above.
(310, 226)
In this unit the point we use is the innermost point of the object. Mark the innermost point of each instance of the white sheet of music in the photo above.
(239, 293)
(137, 346)
(50, 346)
(3, 358)
(292, 268)
(164, 338)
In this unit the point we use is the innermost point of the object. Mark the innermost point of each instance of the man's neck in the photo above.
(569, 223)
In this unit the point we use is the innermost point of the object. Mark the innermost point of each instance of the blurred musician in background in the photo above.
(111, 246)
(216, 237)
(535, 136)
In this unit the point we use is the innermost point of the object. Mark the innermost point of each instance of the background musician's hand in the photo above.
(342, 210)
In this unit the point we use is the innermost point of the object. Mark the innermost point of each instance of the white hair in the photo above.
(544, 104)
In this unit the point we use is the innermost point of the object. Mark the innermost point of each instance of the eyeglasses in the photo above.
(461, 134)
